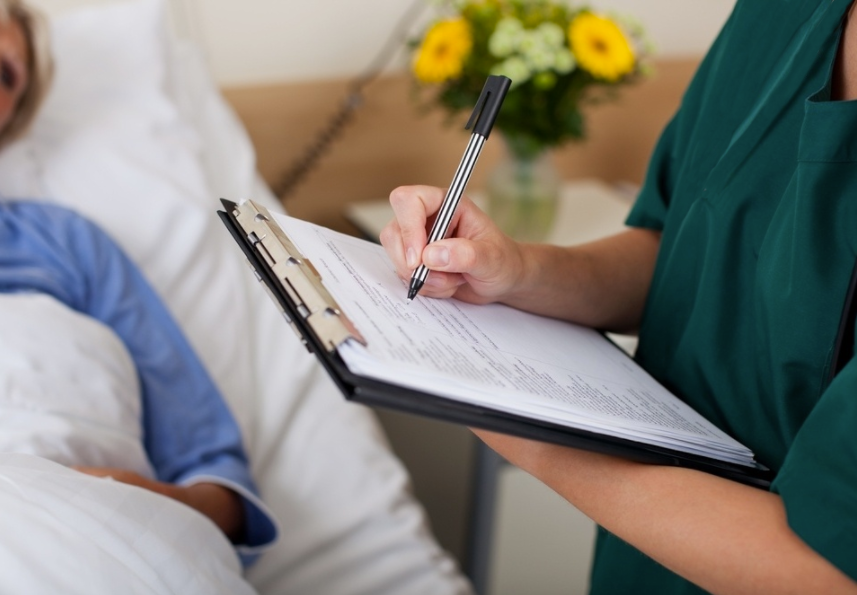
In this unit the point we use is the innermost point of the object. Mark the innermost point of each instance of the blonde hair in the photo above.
(41, 67)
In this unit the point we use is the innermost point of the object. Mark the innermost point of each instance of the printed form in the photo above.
(496, 356)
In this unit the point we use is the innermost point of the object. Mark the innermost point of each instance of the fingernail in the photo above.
(411, 258)
(436, 256)
(434, 281)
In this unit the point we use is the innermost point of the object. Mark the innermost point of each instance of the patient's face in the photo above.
(14, 66)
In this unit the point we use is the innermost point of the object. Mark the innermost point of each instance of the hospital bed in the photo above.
(135, 136)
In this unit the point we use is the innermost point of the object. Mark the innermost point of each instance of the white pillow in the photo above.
(111, 144)
(145, 150)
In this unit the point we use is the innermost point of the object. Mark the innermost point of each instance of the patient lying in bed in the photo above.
(136, 137)
(136, 405)
(189, 446)
(70, 393)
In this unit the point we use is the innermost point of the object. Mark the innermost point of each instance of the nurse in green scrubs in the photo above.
(734, 270)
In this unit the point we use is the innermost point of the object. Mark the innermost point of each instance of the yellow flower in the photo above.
(600, 47)
(442, 54)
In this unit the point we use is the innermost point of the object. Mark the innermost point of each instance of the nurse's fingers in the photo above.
(442, 285)
(413, 206)
(391, 239)
(489, 265)
(437, 285)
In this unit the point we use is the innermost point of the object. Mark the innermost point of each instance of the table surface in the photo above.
(588, 210)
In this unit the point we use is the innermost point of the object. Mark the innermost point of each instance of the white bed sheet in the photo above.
(66, 532)
(135, 136)
(69, 395)
(69, 391)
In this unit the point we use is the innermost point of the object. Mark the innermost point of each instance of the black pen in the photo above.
(482, 120)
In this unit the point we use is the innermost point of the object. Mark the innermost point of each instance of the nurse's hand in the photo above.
(476, 263)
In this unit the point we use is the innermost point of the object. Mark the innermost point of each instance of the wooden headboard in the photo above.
(390, 142)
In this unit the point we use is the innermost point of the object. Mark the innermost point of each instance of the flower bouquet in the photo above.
(559, 58)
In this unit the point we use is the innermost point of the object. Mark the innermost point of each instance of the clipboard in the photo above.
(297, 290)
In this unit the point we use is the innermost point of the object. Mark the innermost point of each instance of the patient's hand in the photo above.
(220, 504)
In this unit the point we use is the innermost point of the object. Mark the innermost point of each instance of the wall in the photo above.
(390, 142)
(265, 41)
(285, 66)
(259, 41)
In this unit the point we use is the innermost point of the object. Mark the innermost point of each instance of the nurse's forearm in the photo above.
(602, 284)
(721, 535)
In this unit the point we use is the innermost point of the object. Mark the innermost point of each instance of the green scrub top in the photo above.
(754, 186)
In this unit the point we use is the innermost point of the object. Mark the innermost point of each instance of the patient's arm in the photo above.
(189, 433)
(219, 503)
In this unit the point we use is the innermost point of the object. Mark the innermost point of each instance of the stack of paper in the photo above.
(498, 357)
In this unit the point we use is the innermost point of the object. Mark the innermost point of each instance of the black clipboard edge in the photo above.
(379, 394)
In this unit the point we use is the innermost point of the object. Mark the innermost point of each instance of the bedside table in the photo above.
(588, 209)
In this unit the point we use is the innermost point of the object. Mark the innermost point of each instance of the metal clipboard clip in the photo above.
(297, 277)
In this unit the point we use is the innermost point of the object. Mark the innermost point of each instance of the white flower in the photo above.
(551, 34)
(509, 25)
(529, 51)
(564, 62)
(538, 55)
(515, 68)
(506, 38)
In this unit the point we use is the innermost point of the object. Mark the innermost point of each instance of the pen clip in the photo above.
(488, 105)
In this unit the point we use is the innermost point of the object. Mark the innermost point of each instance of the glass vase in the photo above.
(522, 194)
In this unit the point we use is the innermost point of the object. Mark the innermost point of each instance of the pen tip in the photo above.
(414, 288)
(408, 303)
